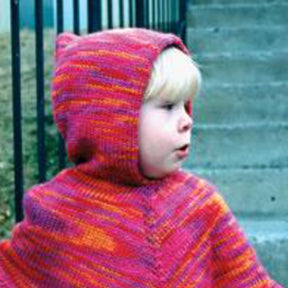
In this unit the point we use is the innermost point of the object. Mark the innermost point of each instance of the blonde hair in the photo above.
(175, 76)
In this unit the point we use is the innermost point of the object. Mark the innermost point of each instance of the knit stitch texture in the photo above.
(101, 223)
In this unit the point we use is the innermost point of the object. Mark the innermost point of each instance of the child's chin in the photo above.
(160, 172)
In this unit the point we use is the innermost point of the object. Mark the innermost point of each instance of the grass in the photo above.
(29, 123)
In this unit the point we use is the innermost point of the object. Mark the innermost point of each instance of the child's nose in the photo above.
(185, 123)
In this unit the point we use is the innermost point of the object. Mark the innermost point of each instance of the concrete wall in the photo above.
(240, 134)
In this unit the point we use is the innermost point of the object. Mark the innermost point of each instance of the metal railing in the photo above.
(162, 15)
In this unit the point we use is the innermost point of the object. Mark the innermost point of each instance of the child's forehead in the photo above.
(169, 97)
(174, 96)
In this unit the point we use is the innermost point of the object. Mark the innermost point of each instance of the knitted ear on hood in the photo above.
(62, 41)
(97, 90)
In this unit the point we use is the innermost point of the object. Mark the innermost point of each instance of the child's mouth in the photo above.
(183, 151)
(183, 148)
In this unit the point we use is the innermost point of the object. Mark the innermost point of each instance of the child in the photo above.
(126, 215)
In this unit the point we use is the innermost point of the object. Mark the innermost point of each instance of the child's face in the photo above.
(164, 136)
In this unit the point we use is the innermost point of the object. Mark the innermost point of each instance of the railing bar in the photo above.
(40, 91)
(177, 9)
(153, 14)
(163, 15)
(60, 22)
(159, 14)
(173, 7)
(91, 20)
(166, 15)
(76, 15)
(147, 14)
(121, 13)
(151, 3)
(16, 91)
(61, 143)
(110, 14)
(140, 15)
(94, 15)
(182, 20)
(131, 13)
(169, 16)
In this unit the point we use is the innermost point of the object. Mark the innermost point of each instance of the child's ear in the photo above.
(63, 40)
(189, 107)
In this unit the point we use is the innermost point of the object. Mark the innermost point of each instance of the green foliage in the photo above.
(29, 122)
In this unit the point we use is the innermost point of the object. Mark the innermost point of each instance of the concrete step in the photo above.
(247, 67)
(205, 2)
(242, 103)
(250, 191)
(239, 146)
(269, 237)
(243, 39)
(237, 15)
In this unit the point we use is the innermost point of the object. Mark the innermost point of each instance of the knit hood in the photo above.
(97, 91)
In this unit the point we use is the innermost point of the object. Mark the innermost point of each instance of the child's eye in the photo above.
(168, 106)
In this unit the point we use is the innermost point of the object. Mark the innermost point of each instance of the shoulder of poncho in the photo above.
(38, 189)
(197, 182)
(206, 192)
